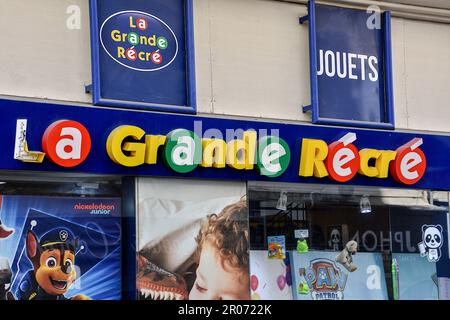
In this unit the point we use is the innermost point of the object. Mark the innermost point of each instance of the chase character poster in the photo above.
(59, 248)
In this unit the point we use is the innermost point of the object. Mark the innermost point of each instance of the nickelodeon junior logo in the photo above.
(68, 143)
(139, 41)
(95, 208)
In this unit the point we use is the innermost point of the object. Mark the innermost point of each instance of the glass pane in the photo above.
(342, 242)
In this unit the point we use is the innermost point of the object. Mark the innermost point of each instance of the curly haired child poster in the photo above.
(193, 240)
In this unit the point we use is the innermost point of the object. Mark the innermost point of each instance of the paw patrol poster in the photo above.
(318, 276)
(57, 248)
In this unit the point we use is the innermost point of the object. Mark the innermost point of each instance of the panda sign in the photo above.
(432, 240)
(350, 65)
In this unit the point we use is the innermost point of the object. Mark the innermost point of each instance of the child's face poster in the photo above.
(60, 248)
(193, 240)
(276, 246)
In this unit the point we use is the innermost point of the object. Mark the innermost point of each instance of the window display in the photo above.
(346, 242)
(192, 240)
(418, 252)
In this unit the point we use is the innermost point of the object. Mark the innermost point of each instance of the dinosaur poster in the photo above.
(193, 240)
(60, 248)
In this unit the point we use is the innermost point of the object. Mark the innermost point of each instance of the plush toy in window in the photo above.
(303, 286)
(345, 257)
(302, 246)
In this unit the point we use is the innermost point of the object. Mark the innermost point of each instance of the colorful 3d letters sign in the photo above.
(143, 54)
(68, 143)
(341, 160)
(112, 141)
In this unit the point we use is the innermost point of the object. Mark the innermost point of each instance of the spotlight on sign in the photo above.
(364, 205)
(282, 201)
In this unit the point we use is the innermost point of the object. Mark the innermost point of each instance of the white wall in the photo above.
(39, 56)
(257, 61)
(427, 75)
(251, 58)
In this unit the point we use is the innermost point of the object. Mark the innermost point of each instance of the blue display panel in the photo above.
(143, 54)
(61, 248)
(422, 239)
(329, 280)
(100, 122)
(443, 265)
(417, 277)
(350, 63)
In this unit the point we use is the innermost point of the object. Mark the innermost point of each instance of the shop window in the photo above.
(347, 242)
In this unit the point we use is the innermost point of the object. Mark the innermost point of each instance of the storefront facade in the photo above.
(163, 150)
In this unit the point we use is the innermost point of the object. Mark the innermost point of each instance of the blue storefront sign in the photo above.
(114, 141)
(350, 66)
(143, 54)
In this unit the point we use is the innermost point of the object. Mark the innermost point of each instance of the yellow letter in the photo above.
(241, 154)
(121, 52)
(250, 153)
(313, 154)
(214, 153)
(365, 155)
(115, 35)
(152, 145)
(383, 161)
(152, 41)
(132, 25)
(235, 158)
(143, 40)
(136, 150)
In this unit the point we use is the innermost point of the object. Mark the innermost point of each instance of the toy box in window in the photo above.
(60, 248)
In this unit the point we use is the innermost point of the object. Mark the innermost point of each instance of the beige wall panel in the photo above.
(427, 60)
(398, 73)
(259, 59)
(203, 56)
(40, 56)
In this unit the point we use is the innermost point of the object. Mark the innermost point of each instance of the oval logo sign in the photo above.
(139, 41)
